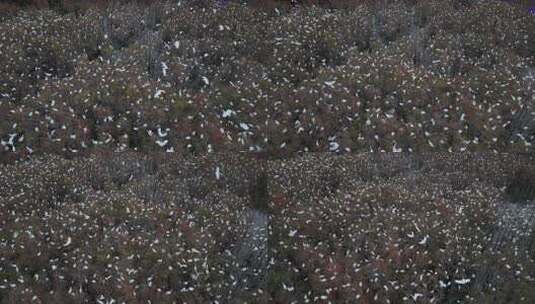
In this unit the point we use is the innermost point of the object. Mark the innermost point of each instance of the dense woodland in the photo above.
(197, 77)
(319, 228)
(267, 152)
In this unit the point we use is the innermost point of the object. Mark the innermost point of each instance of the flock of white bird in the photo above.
(165, 227)
(340, 228)
(304, 81)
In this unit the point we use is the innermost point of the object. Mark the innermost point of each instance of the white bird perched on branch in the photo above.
(462, 281)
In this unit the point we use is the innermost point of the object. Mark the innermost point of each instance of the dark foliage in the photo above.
(521, 186)
(170, 229)
(213, 152)
(384, 76)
